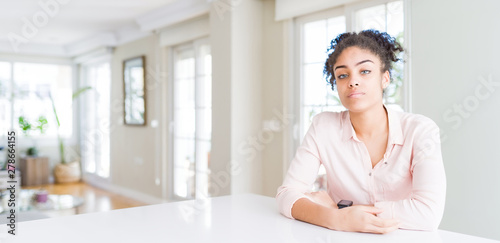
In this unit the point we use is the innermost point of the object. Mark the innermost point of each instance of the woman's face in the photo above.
(359, 79)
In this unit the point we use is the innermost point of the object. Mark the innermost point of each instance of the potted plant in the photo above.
(35, 169)
(26, 127)
(66, 172)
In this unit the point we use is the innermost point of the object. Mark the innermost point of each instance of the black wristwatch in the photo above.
(344, 204)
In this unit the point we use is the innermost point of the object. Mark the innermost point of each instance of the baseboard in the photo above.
(138, 196)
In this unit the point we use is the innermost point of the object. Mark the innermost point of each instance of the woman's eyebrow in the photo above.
(344, 66)
(367, 60)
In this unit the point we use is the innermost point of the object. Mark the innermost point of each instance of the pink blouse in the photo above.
(409, 183)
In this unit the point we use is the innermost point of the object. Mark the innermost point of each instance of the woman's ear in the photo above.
(386, 79)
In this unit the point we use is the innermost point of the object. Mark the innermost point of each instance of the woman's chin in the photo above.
(356, 106)
(361, 105)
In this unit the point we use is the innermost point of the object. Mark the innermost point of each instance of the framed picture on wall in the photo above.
(134, 95)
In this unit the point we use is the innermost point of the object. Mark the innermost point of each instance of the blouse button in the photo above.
(385, 162)
(370, 174)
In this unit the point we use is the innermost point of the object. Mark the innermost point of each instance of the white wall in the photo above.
(454, 46)
(136, 150)
(220, 156)
(246, 55)
(272, 100)
(236, 39)
(293, 8)
(240, 91)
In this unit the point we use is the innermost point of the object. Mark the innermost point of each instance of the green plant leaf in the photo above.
(25, 125)
(42, 124)
(55, 111)
(61, 143)
(80, 91)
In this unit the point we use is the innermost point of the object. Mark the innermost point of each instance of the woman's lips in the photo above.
(356, 94)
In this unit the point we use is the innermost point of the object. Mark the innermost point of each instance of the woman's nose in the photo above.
(353, 82)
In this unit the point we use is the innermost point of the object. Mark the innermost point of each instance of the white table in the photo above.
(237, 218)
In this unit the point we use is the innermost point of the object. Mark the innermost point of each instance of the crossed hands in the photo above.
(358, 218)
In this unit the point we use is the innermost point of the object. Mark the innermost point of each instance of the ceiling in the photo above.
(66, 22)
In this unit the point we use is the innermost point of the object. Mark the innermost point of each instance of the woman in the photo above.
(387, 163)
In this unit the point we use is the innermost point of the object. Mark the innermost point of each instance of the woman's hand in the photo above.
(321, 210)
(363, 219)
(322, 198)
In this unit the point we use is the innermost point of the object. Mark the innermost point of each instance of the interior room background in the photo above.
(227, 100)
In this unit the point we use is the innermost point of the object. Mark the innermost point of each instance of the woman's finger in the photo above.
(384, 223)
(371, 228)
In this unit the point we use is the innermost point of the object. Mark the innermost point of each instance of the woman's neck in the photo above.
(370, 123)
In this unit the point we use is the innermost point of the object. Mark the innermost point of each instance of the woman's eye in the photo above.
(342, 76)
(366, 72)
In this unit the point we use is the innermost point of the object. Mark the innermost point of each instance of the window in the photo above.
(5, 96)
(192, 119)
(317, 95)
(388, 17)
(26, 90)
(95, 123)
(315, 33)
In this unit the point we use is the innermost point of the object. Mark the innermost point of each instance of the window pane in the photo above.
(314, 85)
(204, 60)
(34, 83)
(184, 67)
(103, 89)
(96, 105)
(395, 19)
(334, 108)
(184, 79)
(315, 42)
(208, 65)
(202, 172)
(192, 119)
(5, 71)
(5, 118)
(184, 93)
(203, 119)
(308, 112)
(333, 98)
(5, 114)
(389, 18)
(371, 18)
(316, 92)
(204, 128)
(395, 27)
(184, 168)
(88, 124)
(204, 98)
(184, 123)
(336, 26)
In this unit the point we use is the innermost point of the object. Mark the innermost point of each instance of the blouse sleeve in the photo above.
(301, 174)
(424, 209)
